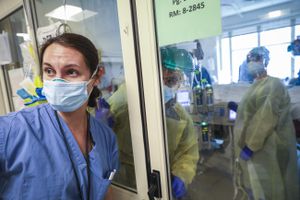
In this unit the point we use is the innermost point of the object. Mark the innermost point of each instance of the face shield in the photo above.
(256, 68)
(173, 78)
(259, 54)
(177, 66)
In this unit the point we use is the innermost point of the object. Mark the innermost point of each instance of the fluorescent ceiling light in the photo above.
(24, 35)
(70, 13)
(276, 13)
(82, 15)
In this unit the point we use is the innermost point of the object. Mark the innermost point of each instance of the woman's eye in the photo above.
(49, 71)
(72, 72)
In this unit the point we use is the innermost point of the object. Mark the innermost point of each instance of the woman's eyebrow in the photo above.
(72, 65)
(48, 64)
(65, 66)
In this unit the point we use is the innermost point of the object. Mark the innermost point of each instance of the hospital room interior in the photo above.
(180, 102)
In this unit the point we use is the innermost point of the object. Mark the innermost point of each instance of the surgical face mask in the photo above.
(169, 93)
(256, 68)
(66, 96)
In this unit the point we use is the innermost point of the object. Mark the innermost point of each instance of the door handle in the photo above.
(154, 186)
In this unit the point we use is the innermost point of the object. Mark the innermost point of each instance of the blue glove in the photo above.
(40, 93)
(246, 153)
(178, 187)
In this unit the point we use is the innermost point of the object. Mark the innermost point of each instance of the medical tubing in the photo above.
(238, 176)
(72, 162)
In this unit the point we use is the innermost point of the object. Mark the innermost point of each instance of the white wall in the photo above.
(8, 6)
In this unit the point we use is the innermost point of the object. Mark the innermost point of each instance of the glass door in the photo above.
(207, 130)
(109, 25)
(170, 103)
(180, 121)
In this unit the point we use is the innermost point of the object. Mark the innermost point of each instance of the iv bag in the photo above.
(5, 54)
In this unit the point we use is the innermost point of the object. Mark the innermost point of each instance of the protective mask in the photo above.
(66, 96)
(256, 68)
(169, 93)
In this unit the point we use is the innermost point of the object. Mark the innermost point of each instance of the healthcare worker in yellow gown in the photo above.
(265, 141)
(182, 139)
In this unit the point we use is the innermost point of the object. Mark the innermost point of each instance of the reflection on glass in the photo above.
(196, 123)
(98, 20)
(235, 122)
(119, 108)
(182, 140)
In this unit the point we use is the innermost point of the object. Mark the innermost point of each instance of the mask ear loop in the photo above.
(101, 69)
(95, 72)
(92, 76)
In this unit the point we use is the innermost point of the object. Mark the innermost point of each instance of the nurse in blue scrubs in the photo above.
(57, 150)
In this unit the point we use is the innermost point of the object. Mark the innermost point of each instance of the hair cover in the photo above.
(259, 54)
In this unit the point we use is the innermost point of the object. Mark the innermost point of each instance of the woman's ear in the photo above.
(101, 71)
(99, 74)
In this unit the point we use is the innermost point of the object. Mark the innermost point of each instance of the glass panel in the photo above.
(222, 135)
(276, 36)
(197, 122)
(225, 64)
(19, 40)
(244, 41)
(280, 59)
(277, 41)
(98, 20)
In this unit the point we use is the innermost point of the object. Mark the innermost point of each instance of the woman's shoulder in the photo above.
(17, 125)
(26, 114)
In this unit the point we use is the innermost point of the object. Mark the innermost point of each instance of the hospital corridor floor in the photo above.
(214, 180)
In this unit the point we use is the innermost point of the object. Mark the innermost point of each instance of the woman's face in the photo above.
(64, 62)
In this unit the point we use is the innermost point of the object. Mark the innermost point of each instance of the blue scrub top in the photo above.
(34, 160)
(203, 74)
